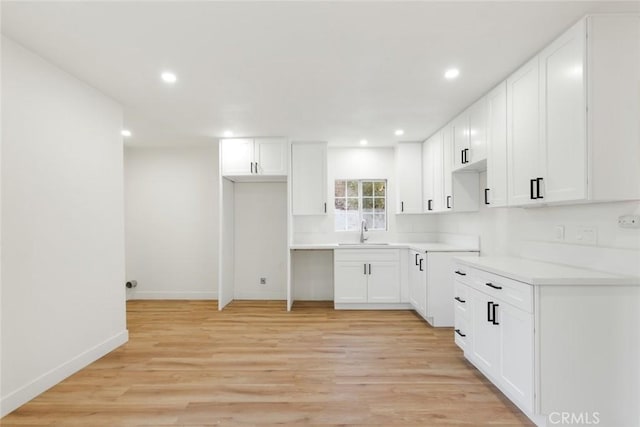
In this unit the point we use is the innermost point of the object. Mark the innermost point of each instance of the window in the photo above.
(356, 200)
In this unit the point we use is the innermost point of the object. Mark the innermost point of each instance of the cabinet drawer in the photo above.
(460, 300)
(461, 332)
(511, 291)
(366, 255)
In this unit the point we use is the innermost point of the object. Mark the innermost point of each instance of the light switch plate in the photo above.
(586, 236)
(558, 233)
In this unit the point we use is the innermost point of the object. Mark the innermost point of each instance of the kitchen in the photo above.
(506, 222)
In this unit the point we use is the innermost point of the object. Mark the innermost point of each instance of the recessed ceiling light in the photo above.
(228, 133)
(126, 133)
(451, 73)
(363, 142)
(168, 77)
(399, 132)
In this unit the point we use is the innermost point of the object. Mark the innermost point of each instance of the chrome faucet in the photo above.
(363, 228)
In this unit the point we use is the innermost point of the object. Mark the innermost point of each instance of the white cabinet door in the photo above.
(271, 156)
(447, 168)
(516, 353)
(384, 282)
(523, 133)
(477, 131)
(237, 156)
(309, 178)
(409, 173)
(496, 192)
(485, 345)
(414, 280)
(460, 134)
(563, 95)
(350, 282)
(428, 173)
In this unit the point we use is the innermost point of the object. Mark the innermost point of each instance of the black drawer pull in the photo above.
(460, 333)
(461, 273)
(460, 300)
(491, 285)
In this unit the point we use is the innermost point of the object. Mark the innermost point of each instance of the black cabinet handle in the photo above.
(369, 269)
(486, 196)
(460, 333)
(421, 259)
(401, 206)
(460, 273)
(365, 268)
(429, 203)
(491, 285)
(448, 202)
(417, 255)
(489, 304)
(325, 207)
(493, 310)
(251, 167)
(531, 187)
(460, 300)
(538, 195)
(462, 157)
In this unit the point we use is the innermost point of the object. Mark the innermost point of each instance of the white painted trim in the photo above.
(373, 306)
(262, 296)
(172, 295)
(19, 397)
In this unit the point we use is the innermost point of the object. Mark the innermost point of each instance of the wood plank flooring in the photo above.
(255, 364)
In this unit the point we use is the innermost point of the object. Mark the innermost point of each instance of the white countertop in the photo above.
(417, 246)
(544, 273)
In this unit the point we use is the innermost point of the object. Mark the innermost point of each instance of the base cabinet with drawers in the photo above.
(366, 276)
(556, 345)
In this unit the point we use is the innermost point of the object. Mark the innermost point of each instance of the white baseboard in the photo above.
(169, 295)
(372, 306)
(19, 397)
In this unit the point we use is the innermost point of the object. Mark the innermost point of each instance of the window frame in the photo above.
(360, 197)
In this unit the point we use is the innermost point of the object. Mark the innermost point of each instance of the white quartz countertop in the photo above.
(417, 246)
(544, 273)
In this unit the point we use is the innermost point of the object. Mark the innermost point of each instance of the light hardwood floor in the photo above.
(255, 364)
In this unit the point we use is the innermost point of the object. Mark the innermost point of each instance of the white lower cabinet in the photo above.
(499, 338)
(366, 276)
(418, 282)
(570, 346)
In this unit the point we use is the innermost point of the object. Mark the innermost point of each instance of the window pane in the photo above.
(341, 221)
(367, 203)
(379, 203)
(352, 188)
(367, 188)
(353, 220)
(379, 188)
(379, 222)
(340, 188)
(340, 204)
(352, 204)
(369, 218)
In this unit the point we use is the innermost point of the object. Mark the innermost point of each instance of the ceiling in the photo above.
(330, 71)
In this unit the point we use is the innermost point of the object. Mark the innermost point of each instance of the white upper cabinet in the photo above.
(447, 167)
(270, 156)
(477, 133)
(237, 156)
(573, 133)
(496, 191)
(432, 174)
(460, 135)
(523, 133)
(309, 178)
(247, 159)
(409, 175)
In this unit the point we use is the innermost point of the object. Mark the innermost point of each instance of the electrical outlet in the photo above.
(629, 221)
(263, 280)
(558, 233)
(587, 236)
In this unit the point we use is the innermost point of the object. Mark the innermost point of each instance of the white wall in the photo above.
(505, 231)
(260, 239)
(171, 217)
(363, 163)
(63, 298)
